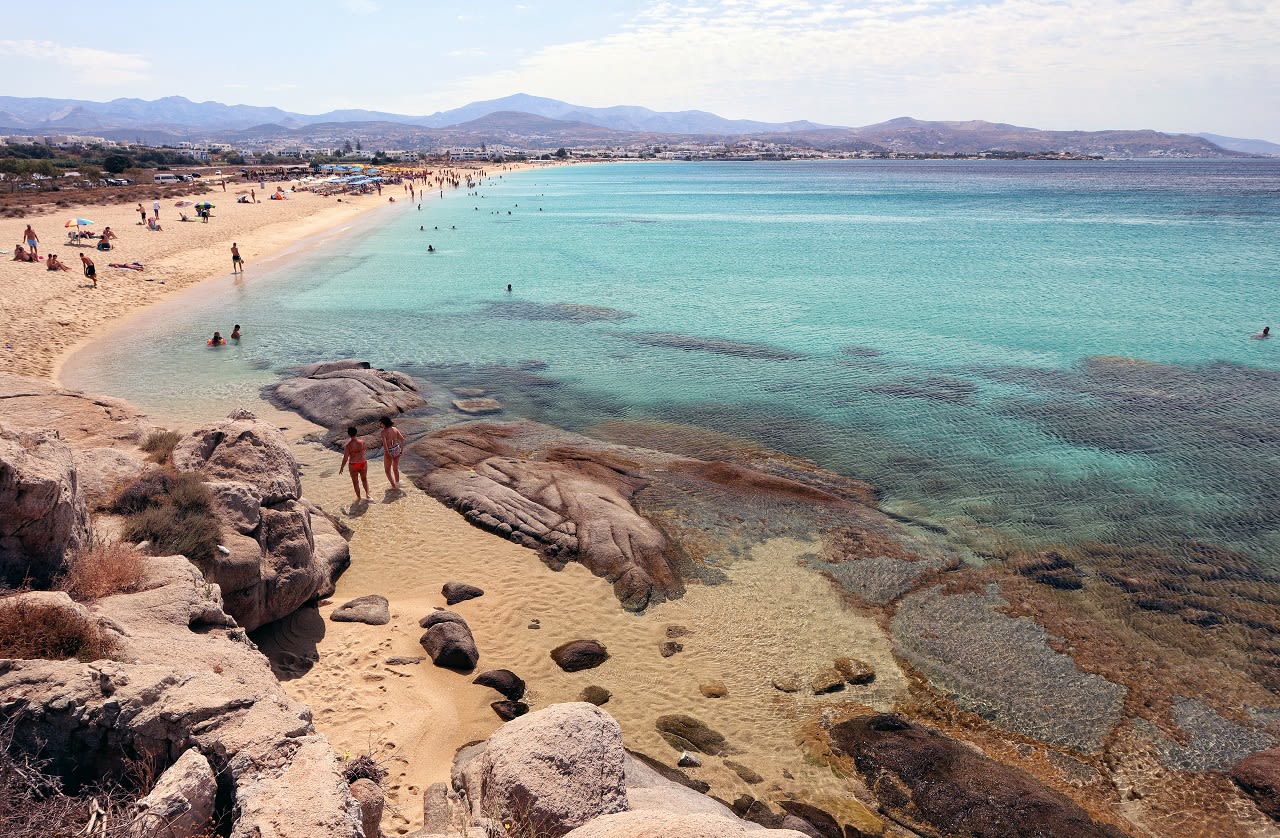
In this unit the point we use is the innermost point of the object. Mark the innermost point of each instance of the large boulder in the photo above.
(449, 642)
(342, 393)
(548, 772)
(42, 511)
(577, 655)
(934, 784)
(280, 551)
(242, 448)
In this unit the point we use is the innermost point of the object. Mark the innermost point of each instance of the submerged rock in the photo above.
(341, 393)
(577, 655)
(685, 733)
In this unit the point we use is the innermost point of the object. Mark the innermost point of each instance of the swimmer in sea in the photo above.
(1264, 334)
(353, 451)
(235, 332)
(216, 340)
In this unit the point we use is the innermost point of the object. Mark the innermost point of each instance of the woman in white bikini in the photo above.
(392, 448)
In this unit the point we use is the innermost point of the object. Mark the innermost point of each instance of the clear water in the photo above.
(1040, 351)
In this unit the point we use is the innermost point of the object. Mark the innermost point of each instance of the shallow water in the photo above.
(954, 332)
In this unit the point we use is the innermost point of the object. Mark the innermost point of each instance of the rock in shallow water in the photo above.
(504, 681)
(685, 733)
(577, 655)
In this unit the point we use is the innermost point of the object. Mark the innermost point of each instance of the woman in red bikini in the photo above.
(353, 452)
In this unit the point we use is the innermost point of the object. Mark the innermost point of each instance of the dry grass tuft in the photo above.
(175, 512)
(34, 629)
(102, 570)
(160, 444)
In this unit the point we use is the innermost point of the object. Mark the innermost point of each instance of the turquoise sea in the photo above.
(1044, 352)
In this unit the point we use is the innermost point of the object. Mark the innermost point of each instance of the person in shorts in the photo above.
(354, 453)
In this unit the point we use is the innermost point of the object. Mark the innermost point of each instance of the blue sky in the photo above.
(1171, 65)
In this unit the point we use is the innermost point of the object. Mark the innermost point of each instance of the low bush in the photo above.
(160, 444)
(31, 628)
(147, 490)
(175, 512)
(102, 570)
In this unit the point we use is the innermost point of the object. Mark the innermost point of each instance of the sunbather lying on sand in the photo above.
(127, 266)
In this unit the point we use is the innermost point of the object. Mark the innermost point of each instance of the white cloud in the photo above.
(1053, 63)
(89, 66)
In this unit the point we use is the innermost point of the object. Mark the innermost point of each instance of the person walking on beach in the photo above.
(392, 448)
(155, 209)
(142, 213)
(237, 264)
(33, 242)
(353, 452)
(90, 272)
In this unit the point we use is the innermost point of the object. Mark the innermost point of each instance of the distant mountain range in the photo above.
(532, 121)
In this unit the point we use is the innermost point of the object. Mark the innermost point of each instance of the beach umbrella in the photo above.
(204, 205)
(77, 222)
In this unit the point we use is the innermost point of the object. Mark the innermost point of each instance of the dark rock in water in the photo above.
(404, 661)
(713, 689)
(1259, 776)
(441, 615)
(676, 631)
(595, 695)
(562, 312)
(504, 681)
(855, 351)
(508, 710)
(373, 610)
(455, 592)
(855, 671)
(685, 733)
(787, 683)
(478, 406)
(1051, 569)
(934, 784)
(756, 811)
(669, 648)
(715, 346)
(532, 365)
(748, 776)
(932, 388)
(451, 645)
(577, 655)
(822, 821)
(827, 681)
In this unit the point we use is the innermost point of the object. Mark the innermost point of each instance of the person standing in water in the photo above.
(237, 264)
(354, 452)
(392, 449)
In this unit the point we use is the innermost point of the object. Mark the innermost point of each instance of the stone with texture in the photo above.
(239, 505)
(1259, 776)
(371, 800)
(593, 694)
(242, 448)
(669, 648)
(508, 710)
(437, 812)
(685, 733)
(577, 655)
(339, 394)
(552, 770)
(181, 802)
(505, 681)
(478, 406)
(934, 784)
(371, 609)
(827, 681)
(855, 672)
(455, 592)
(42, 511)
(451, 645)
(713, 689)
(787, 683)
(744, 773)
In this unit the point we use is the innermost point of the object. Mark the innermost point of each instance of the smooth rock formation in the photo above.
(181, 802)
(713, 689)
(372, 609)
(547, 772)
(934, 784)
(1259, 776)
(42, 511)
(281, 551)
(577, 655)
(371, 800)
(337, 394)
(200, 685)
(455, 592)
(505, 681)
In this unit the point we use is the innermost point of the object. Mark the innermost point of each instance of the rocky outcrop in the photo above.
(569, 503)
(547, 772)
(933, 784)
(280, 551)
(42, 511)
(448, 641)
(372, 801)
(199, 686)
(181, 803)
(341, 393)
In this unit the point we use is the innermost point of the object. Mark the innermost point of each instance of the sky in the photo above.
(1168, 65)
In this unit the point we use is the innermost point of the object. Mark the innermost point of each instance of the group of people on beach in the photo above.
(355, 455)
